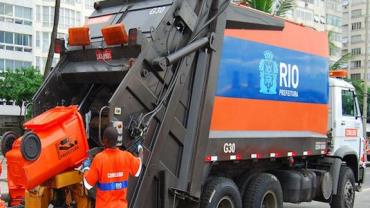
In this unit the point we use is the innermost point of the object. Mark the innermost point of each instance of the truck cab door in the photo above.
(348, 127)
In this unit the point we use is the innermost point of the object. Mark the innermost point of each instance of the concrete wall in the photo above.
(9, 123)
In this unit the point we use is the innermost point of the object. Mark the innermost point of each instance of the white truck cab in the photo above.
(345, 124)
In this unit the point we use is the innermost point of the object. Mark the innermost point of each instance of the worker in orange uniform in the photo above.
(110, 170)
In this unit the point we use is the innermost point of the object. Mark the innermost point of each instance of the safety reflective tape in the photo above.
(139, 171)
(112, 186)
(214, 158)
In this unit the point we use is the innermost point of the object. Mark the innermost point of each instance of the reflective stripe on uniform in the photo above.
(138, 171)
(112, 186)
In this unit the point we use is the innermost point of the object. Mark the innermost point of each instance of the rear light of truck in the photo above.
(59, 46)
(236, 157)
(211, 158)
(115, 34)
(292, 154)
(256, 156)
(307, 153)
(275, 154)
(132, 36)
(78, 36)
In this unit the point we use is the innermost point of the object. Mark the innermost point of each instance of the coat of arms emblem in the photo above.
(268, 74)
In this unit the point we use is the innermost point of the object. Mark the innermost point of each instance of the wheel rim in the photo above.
(269, 200)
(225, 202)
(349, 194)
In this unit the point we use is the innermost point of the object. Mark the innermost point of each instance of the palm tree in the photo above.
(54, 33)
(275, 7)
(338, 64)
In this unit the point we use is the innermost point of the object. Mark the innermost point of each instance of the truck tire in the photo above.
(221, 192)
(244, 182)
(264, 191)
(345, 197)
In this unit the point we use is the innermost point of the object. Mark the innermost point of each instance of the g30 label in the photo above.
(229, 148)
(158, 10)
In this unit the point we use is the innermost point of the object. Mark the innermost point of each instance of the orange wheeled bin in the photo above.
(55, 142)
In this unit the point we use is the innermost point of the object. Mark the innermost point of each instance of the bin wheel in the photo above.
(7, 141)
(345, 197)
(30, 146)
(264, 191)
(221, 192)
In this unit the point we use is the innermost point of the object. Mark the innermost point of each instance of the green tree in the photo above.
(338, 64)
(275, 7)
(20, 85)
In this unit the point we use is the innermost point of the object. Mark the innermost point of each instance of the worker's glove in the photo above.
(140, 149)
(86, 165)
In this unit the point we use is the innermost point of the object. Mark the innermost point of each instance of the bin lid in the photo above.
(54, 116)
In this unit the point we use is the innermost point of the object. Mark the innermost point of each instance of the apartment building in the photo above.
(25, 30)
(354, 36)
(16, 31)
(72, 13)
(323, 15)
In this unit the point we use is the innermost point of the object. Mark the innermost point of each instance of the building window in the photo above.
(356, 64)
(356, 38)
(8, 10)
(38, 39)
(356, 13)
(333, 5)
(356, 51)
(334, 36)
(15, 14)
(304, 15)
(89, 4)
(38, 13)
(334, 20)
(15, 41)
(356, 76)
(2, 67)
(9, 65)
(356, 26)
(9, 37)
(69, 18)
(12, 65)
(46, 16)
(45, 41)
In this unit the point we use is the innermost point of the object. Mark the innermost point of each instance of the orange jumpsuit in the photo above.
(110, 171)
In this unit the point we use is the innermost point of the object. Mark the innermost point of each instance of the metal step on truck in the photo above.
(234, 107)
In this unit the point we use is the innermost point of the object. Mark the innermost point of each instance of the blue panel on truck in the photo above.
(258, 71)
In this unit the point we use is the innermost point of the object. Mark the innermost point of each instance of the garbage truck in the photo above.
(234, 108)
